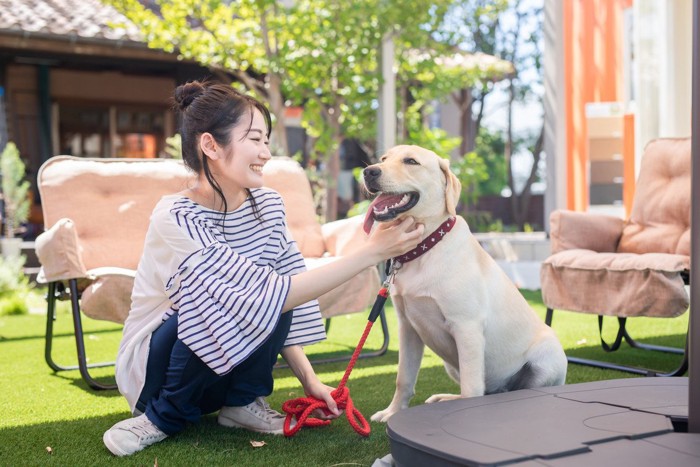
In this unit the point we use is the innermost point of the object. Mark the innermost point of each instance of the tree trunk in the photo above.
(508, 153)
(525, 195)
(279, 141)
(466, 121)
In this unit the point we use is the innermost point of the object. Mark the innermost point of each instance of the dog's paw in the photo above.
(383, 415)
(442, 397)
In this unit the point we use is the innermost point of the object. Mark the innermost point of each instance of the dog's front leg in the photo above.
(470, 343)
(410, 356)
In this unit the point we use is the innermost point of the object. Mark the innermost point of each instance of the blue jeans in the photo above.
(179, 387)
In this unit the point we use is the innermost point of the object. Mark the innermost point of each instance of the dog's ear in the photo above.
(453, 188)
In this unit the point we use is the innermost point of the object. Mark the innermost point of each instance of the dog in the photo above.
(453, 297)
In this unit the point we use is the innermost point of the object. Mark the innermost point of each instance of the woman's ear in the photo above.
(209, 146)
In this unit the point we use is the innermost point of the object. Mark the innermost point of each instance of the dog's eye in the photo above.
(410, 161)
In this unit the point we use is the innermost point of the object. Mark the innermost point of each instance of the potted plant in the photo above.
(15, 200)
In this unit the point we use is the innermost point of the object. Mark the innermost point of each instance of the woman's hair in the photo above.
(214, 109)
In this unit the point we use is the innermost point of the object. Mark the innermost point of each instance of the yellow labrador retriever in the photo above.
(450, 295)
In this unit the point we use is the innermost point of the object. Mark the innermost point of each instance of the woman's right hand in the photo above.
(387, 240)
(391, 239)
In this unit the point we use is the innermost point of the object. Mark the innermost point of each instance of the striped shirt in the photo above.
(227, 277)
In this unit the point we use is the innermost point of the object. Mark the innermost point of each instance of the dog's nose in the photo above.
(371, 173)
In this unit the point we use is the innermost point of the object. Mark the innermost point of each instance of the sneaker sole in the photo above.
(230, 423)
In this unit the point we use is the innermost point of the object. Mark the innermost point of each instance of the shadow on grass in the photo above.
(78, 441)
(390, 357)
(56, 335)
(636, 357)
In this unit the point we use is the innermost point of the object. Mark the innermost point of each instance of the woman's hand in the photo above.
(300, 366)
(323, 392)
(391, 239)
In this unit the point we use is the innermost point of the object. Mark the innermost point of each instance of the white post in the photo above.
(554, 109)
(694, 327)
(386, 127)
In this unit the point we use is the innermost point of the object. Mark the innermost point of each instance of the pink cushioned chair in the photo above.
(97, 212)
(639, 267)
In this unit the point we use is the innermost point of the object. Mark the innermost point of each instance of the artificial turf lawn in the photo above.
(54, 419)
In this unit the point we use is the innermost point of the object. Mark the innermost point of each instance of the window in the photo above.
(86, 130)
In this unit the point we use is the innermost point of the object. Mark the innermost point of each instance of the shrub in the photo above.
(14, 286)
(14, 189)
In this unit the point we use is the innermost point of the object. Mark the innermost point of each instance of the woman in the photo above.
(216, 283)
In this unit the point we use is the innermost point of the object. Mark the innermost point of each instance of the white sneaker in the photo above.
(132, 435)
(256, 416)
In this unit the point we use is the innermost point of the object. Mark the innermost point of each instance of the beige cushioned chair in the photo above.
(606, 266)
(97, 212)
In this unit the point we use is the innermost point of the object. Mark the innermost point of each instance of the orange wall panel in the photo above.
(593, 73)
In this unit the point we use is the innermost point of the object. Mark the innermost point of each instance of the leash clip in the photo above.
(391, 270)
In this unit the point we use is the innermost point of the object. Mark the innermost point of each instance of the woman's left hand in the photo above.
(321, 391)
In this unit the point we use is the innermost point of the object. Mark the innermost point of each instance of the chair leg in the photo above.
(82, 365)
(50, 318)
(621, 330)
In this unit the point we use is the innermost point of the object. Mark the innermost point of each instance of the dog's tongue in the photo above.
(380, 202)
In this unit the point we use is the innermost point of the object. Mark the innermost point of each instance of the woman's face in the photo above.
(242, 161)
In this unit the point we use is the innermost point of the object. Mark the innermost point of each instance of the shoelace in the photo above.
(146, 430)
(263, 408)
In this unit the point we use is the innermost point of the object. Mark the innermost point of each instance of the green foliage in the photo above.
(359, 208)
(13, 304)
(323, 53)
(14, 189)
(14, 286)
(470, 170)
(490, 146)
(420, 134)
(173, 146)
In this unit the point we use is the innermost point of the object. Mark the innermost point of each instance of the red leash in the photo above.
(302, 407)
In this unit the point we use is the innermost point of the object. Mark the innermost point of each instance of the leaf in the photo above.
(258, 444)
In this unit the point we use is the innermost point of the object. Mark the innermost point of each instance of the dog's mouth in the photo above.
(387, 206)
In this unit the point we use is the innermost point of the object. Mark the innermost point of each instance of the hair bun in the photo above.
(186, 93)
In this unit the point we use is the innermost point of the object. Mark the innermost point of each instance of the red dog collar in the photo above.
(428, 243)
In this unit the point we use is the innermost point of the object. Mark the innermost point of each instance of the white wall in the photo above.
(662, 70)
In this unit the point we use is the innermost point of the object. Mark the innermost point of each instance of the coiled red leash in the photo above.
(302, 407)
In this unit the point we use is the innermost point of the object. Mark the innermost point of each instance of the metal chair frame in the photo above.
(57, 290)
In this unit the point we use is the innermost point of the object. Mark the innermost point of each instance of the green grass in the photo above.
(54, 419)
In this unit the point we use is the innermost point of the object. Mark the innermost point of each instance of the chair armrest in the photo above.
(343, 236)
(109, 296)
(584, 230)
(58, 250)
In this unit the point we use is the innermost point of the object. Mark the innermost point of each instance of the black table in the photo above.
(637, 422)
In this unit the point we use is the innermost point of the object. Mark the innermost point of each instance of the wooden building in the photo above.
(70, 83)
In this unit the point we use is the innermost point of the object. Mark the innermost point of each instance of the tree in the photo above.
(321, 54)
(473, 27)
(510, 30)
(236, 40)
(523, 48)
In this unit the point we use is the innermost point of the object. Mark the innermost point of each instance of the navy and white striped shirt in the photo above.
(229, 276)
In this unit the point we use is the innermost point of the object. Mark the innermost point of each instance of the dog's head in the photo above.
(410, 180)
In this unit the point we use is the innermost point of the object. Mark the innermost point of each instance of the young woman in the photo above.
(221, 288)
